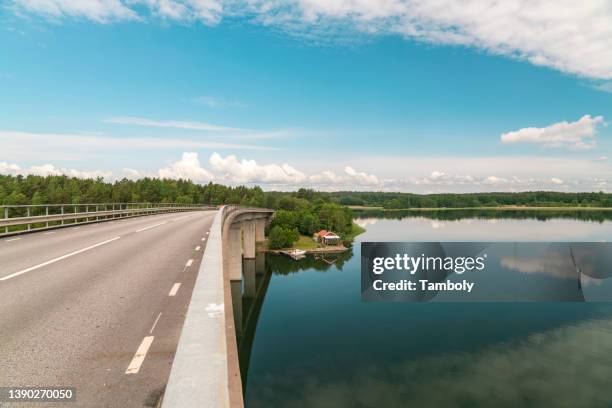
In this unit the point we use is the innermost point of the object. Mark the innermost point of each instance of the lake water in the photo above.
(306, 339)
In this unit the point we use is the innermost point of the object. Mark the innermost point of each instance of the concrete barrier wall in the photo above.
(206, 371)
(199, 375)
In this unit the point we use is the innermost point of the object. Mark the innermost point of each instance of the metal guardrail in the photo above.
(24, 218)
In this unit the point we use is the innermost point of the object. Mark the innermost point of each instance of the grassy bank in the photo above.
(355, 230)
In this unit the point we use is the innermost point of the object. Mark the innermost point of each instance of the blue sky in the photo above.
(327, 98)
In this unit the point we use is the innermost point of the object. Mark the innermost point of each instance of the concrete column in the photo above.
(260, 229)
(234, 252)
(248, 231)
(250, 280)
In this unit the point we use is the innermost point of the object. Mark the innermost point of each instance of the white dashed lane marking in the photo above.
(31, 268)
(174, 289)
(140, 355)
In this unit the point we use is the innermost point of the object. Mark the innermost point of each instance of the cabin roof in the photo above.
(325, 233)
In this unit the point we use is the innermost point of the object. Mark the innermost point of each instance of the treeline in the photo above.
(529, 198)
(66, 190)
(19, 190)
(302, 212)
(459, 214)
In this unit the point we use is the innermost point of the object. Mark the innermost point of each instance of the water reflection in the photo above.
(317, 344)
(565, 367)
(249, 294)
(283, 265)
(247, 298)
(493, 214)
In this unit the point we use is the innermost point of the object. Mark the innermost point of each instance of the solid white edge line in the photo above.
(57, 259)
(189, 263)
(140, 355)
(174, 289)
(155, 323)
(151, 226)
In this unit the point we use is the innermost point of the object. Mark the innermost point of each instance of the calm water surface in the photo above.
(306, 339)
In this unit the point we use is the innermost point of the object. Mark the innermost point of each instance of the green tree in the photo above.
(281, 237)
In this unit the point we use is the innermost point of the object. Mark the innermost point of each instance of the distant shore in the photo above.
(498, 208)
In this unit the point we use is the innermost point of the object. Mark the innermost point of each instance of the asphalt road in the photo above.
(76, 304)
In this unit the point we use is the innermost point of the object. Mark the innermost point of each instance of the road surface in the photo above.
(99, 307)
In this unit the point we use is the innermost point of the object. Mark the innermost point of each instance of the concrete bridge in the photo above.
(206, 370)
(142, 310)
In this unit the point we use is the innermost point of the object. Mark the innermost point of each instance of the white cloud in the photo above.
(452, 174)
(174, 124)
(604, 86)
(75, 146)
(207, 11)
(224, 131)
(567, 35)
(437, 174)
(101, 11)
(9, 168)
(134, 174)
(248, 171)
(574, 135)
(556, 180)
(350, 180)
(50, 170)
(494, 180)
(188, 167)
(361, 177)
(214, 102)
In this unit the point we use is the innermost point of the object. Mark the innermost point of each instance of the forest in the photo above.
(302, 212)
(15, 190)
(467, 200)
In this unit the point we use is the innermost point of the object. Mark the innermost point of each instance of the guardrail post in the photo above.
(75, 211)
(97, 211)
(29, 225)
(47, 213)
(6, 214)
(62, 210)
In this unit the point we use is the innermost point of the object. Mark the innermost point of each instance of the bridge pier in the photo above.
(248, 230)
(234, 238)
(260, 229)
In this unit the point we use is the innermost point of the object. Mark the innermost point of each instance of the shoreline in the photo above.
(323, 250)
(499, 208)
